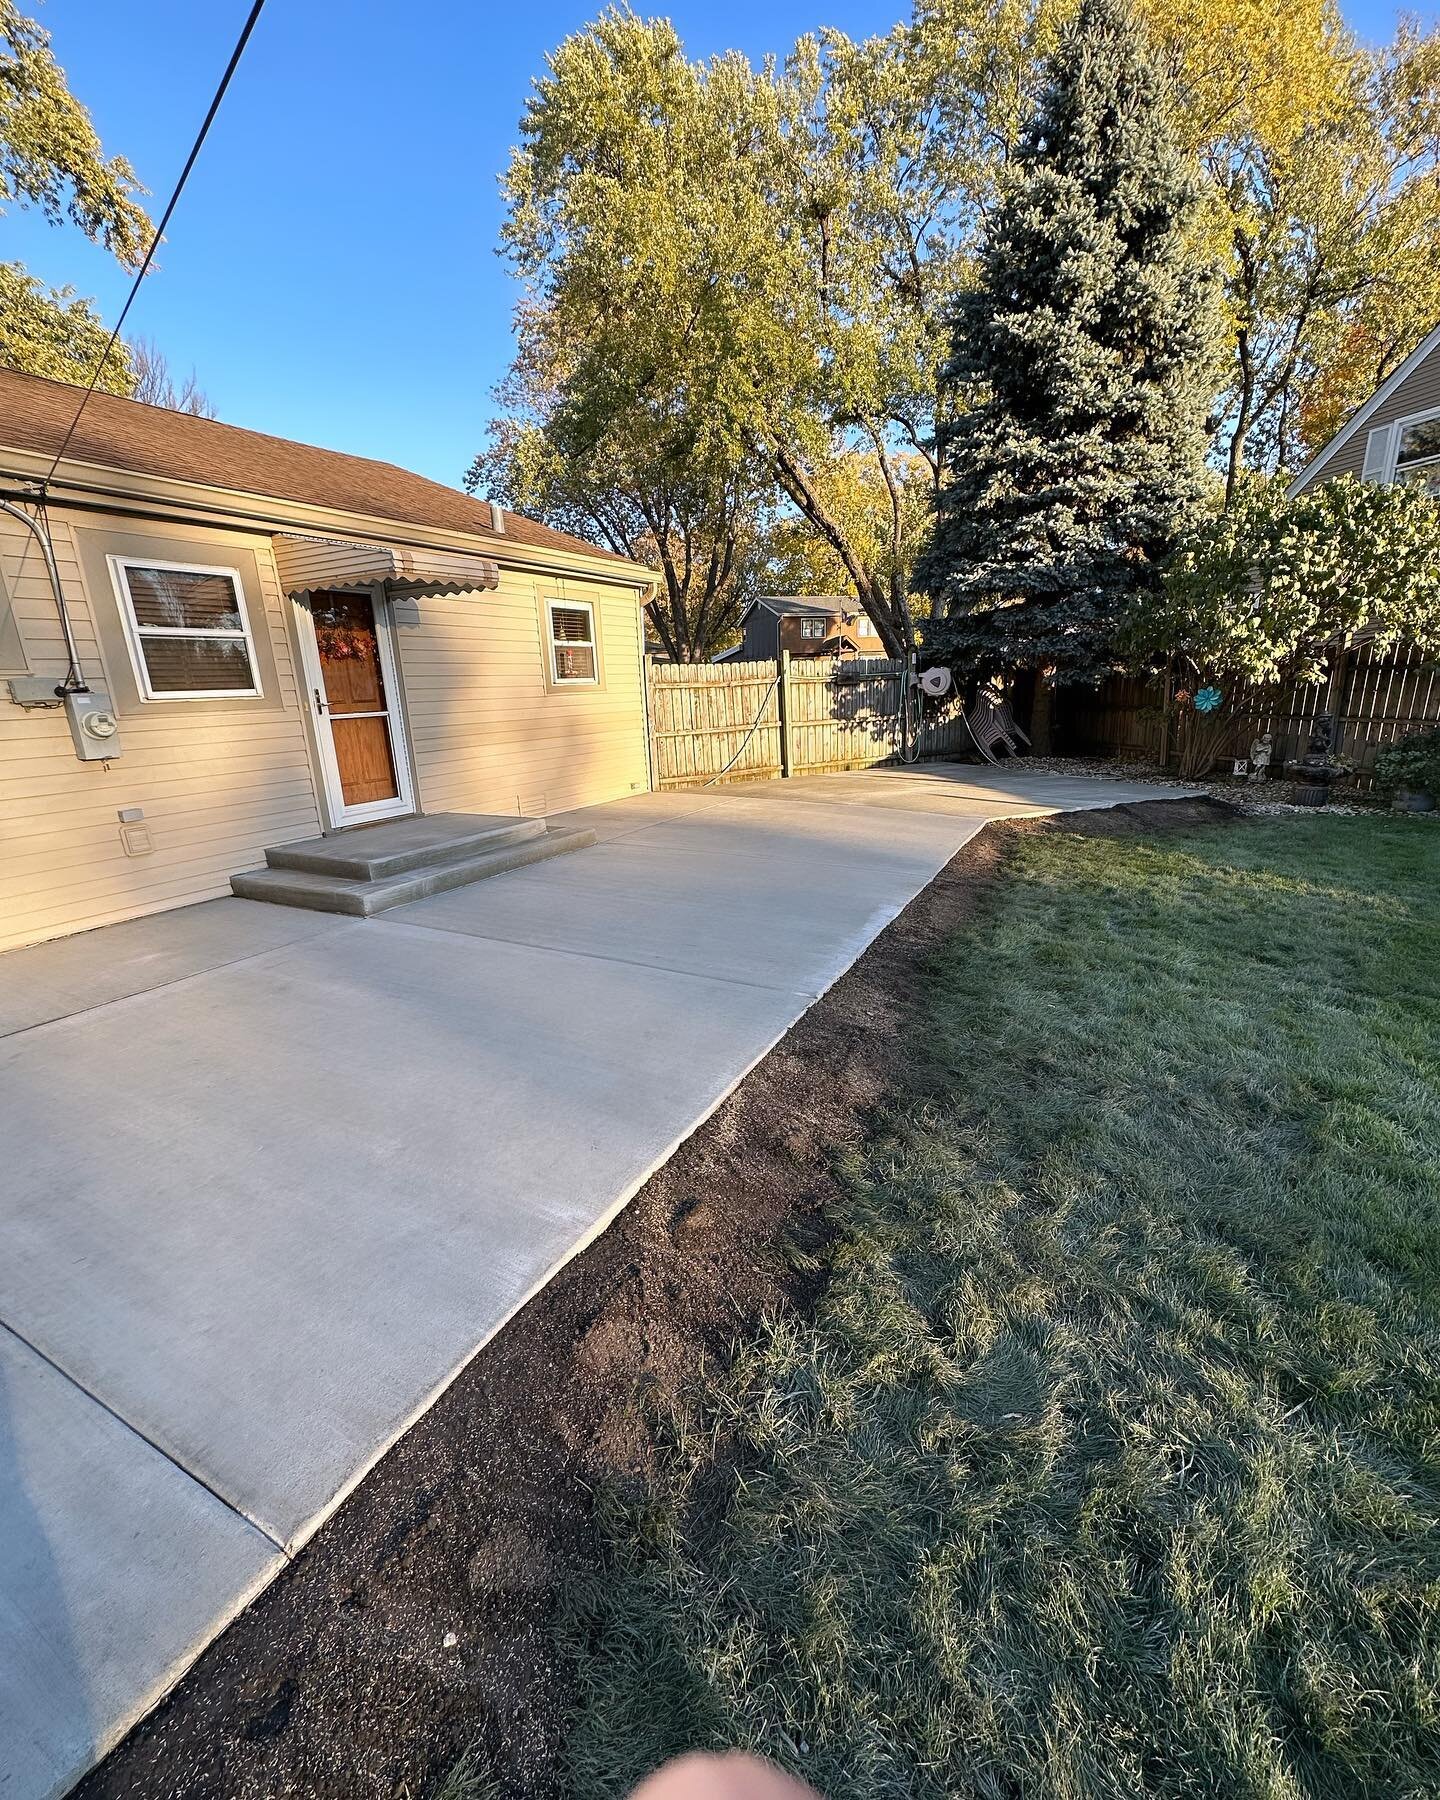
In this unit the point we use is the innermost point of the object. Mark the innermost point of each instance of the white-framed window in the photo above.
(863, 627)
(573, 657)
(813, 628)
(1417, 451)
(187, 629)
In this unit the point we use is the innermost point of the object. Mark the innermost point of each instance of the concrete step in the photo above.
(375, 852)
(360, 898)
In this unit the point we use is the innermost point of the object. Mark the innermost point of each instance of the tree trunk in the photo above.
(1245, 355)
(895, 628)
(1042, 713)
(1235, 456)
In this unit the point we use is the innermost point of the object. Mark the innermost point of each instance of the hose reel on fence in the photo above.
(931, 684)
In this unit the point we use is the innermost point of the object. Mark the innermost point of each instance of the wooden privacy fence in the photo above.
(1384, 695)
(742, 721)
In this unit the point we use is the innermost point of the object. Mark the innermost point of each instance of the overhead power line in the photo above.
(144, 268)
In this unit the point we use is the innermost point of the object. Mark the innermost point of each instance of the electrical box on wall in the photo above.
(93, 725)
(36, 690)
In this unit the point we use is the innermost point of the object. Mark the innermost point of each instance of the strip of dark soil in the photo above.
(419, 1619)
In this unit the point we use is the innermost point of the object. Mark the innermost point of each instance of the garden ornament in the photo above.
(1311, 775)
(1261, 750)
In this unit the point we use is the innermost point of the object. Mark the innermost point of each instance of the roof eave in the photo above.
(268, 513)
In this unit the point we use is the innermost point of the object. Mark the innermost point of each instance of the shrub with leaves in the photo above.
(1273, 587)
(1413, 764)
(1278, 589)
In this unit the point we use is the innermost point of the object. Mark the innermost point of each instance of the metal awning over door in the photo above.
(330, 565)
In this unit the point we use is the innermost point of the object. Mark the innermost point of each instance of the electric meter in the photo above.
(93, 725)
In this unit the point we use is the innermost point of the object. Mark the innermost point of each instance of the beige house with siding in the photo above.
(1395, 435)
(257, 642)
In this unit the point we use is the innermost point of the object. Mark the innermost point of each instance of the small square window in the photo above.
(812, 628)
(572, 641)
(187, 629)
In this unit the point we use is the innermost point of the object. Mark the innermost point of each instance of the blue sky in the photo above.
(331, 272)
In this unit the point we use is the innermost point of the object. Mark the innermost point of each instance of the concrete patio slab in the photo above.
(1000, 792)
(273, 1177)
(304, 1193)
(76, 974)
(784, 898)
(116, 1569)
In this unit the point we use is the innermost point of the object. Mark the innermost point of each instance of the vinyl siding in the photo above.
(1419, 392)
(760, 641)
(487, 733)
(216, 786)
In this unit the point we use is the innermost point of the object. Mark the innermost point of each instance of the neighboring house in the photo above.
(820, 626)
(282, 641)
(1395, 435)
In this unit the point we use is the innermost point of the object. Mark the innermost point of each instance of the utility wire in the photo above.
(144, 268)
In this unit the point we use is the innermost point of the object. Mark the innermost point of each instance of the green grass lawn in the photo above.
(1109, 1463)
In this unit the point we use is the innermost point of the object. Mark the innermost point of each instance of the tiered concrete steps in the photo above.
(372, 867)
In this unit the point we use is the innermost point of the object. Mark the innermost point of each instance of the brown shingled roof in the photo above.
(153, 440)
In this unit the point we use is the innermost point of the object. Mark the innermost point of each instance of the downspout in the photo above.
(74, 682)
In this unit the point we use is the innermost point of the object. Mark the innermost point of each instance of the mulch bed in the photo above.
(419, 1620)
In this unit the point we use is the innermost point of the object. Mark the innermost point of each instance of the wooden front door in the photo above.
(358, 718)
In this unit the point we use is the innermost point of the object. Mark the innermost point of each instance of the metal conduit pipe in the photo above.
(74, 676)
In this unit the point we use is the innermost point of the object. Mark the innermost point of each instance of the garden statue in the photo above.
(1322, 738)
(1261, 750)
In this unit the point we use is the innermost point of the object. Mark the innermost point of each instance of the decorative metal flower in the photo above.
(1208, 699)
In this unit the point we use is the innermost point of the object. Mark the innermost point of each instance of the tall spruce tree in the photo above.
(1085, 352)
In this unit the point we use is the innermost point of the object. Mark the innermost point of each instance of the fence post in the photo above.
(786, 768)
(1336, 694)
(646, 677)
(1166, 706)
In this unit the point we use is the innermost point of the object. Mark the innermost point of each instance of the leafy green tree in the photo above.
(768, 258)
(51, 158)
(1087, 341)
(764, 257)
(1321, 201)
(1333, 254)
(48, 331)
(697, 522)
(795, 559)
